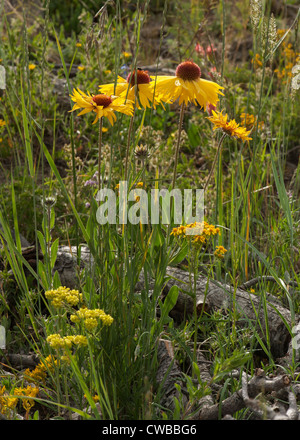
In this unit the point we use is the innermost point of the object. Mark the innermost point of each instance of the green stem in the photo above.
(178, 145)
(215, 161)
(128, 145)
(99, 152)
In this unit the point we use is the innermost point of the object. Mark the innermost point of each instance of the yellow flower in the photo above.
(198, 232)
(63, 296)
(102, 105)
(81, 68)
(231, 128)
(78, 44)
(39, 374)
(31, 66)
(2, 123)
(188, 86)
(257, 61)
(28, 392)
(220, 251)
(137, 85)
(249, 121)
(57, 342)
(7, 402)
(90, 317)
(126, 54)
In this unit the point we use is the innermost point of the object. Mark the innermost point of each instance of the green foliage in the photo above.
(48, 177)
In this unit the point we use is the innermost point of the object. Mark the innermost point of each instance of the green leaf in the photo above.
(180, 255)
(41, 239)
(54, 249)
(169, 303)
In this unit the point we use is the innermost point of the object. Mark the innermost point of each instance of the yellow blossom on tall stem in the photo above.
(104, 106)
(139, 88)
(229, 128)
(187, 86)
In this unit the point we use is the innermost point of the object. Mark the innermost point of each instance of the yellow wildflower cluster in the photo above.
(2, 123)
(91, 318)
(39, 374)
(290, 56)
(29, 391)
(63, 296)
(58, 342)
(257, 62)
(95, 398)
(248, 121)
(220, 252)
(205, 231)
(7, 403)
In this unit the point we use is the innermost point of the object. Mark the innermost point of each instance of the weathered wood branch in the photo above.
(244, 397)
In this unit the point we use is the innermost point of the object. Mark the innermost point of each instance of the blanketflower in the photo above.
(188, 86)
(137, 85)
(101, 104)
(229, 127)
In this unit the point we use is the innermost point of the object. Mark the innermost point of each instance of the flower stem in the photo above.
(175, 166)
(128, 145)
(215, 161)
(178, 145)
(99, 152)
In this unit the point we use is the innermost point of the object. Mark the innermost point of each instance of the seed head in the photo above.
(141, 152)
(102, 100)
(138, 77)
(188, 71)
(255, 13)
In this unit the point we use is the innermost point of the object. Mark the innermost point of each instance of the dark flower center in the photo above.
(102, 100)
(138, 77)
(188, 71)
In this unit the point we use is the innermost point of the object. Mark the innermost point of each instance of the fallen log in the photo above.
(271, 322)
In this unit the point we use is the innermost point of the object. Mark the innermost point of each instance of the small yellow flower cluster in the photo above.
(257, 63)
(29, 391)
(205, 231)
(290, 56)
(63, 296)
(57, 342)
(7, 403)
(39, 374)
(91, 318)
(95, 397)
(220, 252)
(2, 123)
(248, 121)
